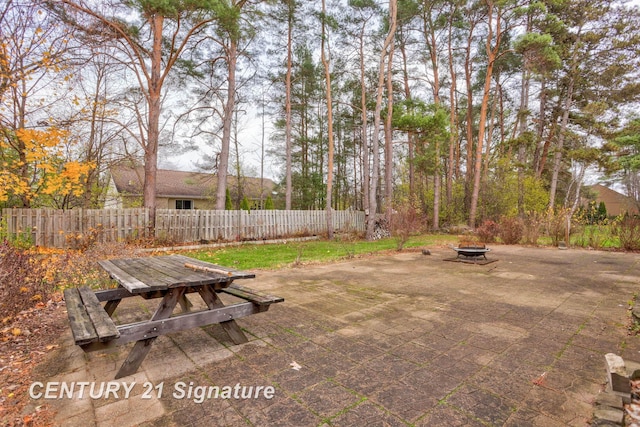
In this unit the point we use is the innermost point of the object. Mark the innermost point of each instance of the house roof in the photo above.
(615, 202)
(181, 184)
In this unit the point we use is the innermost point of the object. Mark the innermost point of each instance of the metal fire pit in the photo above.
(472, 251)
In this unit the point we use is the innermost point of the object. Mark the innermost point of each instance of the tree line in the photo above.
(461, 110)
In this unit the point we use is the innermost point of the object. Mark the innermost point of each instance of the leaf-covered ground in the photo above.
(32, 315)
(25, 340)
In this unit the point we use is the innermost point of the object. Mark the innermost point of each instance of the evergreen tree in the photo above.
(602, 211)
(244, 205)
(268, 204)
(228, 204)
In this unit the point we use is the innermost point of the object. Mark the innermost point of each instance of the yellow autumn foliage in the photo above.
(49, 173)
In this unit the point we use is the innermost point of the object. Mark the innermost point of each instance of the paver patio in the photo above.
(405, 339)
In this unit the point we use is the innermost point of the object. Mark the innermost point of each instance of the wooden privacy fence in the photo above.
(69, 228)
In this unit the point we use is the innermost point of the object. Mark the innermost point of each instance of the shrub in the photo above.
(73, 268)
(405, 222)
(532, 227)
(22, 280)
(511, 230)
(31, 276)
(628, 231)
(556, 225)
(22, 239)
(83, 242)
(488, 231)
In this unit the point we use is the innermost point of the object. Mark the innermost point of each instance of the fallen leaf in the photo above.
(16, 332)
(540, 379)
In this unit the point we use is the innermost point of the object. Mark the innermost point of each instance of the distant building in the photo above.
(179, 189)
(615, 202)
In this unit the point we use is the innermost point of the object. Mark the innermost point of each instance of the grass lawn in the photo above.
(588, 236)
(273, 256)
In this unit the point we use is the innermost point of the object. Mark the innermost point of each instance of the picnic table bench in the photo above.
(170, 279)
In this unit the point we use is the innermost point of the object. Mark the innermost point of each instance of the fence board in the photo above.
(71, 228)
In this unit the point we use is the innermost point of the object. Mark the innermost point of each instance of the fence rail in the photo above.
(69, 228)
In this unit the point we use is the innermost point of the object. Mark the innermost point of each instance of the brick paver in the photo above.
(403, 339)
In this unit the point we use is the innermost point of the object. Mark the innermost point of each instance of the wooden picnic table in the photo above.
(169, 279)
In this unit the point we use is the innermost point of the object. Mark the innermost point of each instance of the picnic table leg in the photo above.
(142, 347)
(230, 326)
(185, 304)
(110, 306)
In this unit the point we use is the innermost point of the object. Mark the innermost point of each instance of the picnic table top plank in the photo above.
(181, 276)
(141, 275)
(143, 270)
(131, 283)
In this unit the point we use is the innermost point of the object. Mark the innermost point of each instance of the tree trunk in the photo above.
(453, 118)
(94, 149)
(287, 136)
(545, 147)
(521, 124)
(366, 169)
(522, 150)
(432, 43)
(537, 157)
(151, 144)
(468, 73)
(557, 158)
(373, 190)
(223, 163)
(410, 134)
(236, 146)
(388, 139)
(482, 120)
(327, 75)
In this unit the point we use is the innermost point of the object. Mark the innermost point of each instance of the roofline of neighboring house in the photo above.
(170, 196)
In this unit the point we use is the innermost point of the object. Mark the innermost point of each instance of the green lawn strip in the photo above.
(280, 255)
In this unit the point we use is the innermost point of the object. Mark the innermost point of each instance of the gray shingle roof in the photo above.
(192, 185)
